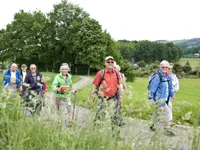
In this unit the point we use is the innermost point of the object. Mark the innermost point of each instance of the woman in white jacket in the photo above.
(175, 87)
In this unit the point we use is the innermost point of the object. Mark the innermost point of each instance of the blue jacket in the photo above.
(161, 89)
(7, 76)
(37, 85)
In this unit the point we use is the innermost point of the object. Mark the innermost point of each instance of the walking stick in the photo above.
(74, 93)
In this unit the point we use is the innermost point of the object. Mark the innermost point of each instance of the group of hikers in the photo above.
(108, 85)
(31, 84)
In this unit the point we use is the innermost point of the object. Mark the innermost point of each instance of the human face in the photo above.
(170, 69)
(14, 68)
(33, 69)
(64, 71)
(24, 68)
(164, 68)
(109, 63)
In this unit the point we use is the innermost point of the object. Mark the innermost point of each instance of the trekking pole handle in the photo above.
(74, 91)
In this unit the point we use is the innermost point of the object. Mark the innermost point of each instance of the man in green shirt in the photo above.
(62, 86)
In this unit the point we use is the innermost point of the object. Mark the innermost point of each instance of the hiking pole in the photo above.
(74, 93)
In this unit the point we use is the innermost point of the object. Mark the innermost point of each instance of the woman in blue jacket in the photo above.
(12, 79)
(161, 92)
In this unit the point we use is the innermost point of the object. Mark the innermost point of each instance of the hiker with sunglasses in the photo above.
(106, 85)
(33, 87)
(175, 87)
(160, 93)
(62, 86)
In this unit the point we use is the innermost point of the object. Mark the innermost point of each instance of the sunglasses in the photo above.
(33, 68)
(110, 62)
(170, 68)
(164, 67)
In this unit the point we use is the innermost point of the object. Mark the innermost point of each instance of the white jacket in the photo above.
(175, 83)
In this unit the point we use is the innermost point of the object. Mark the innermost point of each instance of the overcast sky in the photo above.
(126, 19)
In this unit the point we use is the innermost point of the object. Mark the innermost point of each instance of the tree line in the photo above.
(69, 34)
(149, 51)
(66, 34)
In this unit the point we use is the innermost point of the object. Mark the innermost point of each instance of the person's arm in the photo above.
(177, 84)
(120, 93)
(19, 80)
(171, 93)
(154, 87)
(55, 84)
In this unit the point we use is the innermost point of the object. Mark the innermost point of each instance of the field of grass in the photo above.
(185, 106)
(18, 132)
(193, 62)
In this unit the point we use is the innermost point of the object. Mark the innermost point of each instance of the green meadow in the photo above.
(185, 105)
(193, 62)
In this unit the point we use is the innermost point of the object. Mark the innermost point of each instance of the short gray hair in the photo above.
(14, 64)
(117, 67)
(33, 65)
(164, 62)
(64, 65)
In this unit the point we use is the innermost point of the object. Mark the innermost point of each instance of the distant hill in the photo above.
(186, 43)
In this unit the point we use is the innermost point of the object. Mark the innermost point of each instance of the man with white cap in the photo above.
(62, 86)
(160, 93)
(107, 84)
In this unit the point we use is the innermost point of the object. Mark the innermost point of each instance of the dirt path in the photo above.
(84, 81)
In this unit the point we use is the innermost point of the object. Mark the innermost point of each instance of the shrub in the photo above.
(187, 68)
(178, 68)
(141, 64)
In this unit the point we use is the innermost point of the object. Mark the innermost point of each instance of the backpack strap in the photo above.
(160, 76)
(102, 76)
(117, 75)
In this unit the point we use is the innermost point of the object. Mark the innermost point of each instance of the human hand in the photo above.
(172, 98)
(126, 91)
(20, 88)
(121, 102)
(90, 99)
(63, 89)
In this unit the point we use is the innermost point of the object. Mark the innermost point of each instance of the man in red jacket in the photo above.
(106, 83)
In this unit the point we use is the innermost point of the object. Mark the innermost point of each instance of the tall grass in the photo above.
(18, 132)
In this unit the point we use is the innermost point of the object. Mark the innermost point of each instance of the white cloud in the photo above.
(127, 19)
